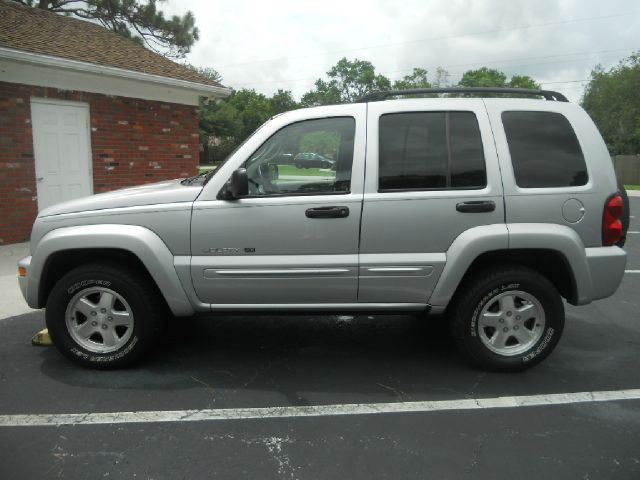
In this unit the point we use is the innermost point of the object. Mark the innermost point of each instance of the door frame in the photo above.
(66, 103)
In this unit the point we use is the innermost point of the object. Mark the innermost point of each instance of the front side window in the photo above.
(304, 158)
(544, 150)
(430, 150)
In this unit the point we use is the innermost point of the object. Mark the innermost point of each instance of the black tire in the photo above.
(147, 309)
(480, 291)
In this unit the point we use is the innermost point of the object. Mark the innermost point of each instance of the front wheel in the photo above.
(104, 316)
(507, 319)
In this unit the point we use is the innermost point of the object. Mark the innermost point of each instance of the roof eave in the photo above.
(75, 65)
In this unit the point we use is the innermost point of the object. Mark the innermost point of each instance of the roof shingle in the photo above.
(39, 31)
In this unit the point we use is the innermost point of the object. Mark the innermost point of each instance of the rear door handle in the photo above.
(327, 212)
(476, 206)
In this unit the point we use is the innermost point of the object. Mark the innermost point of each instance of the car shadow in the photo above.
(244, 361)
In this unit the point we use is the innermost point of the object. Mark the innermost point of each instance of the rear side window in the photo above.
(430, 150)
(544, 150)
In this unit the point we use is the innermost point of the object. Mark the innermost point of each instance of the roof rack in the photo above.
(379, 96)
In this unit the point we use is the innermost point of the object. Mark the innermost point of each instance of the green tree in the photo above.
(324, 143)
(210, 73)
(282, 101)
(483, 77)
(523, 81)
(225, 123)
(488, 77)
(138, 20)
(612, 100)
(253, 110)
(348, 81)
(417, 79)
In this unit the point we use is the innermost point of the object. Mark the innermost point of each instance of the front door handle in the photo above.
(476, 206)
(327, 212)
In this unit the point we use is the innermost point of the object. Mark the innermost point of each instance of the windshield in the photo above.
(204, 177)
(210, 174)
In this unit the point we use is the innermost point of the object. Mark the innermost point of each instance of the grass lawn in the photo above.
(632, 187)
(285, 170)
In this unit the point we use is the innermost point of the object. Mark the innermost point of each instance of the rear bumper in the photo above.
(606, 266)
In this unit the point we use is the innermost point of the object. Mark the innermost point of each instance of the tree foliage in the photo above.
(417, 79)
(348, 81)
(489, 77)
(224, 124)
(612, 100)
(483, 77)
(208, 72)
(138, 20)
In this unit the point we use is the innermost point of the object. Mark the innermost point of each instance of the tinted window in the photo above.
(544, 150)
(310, 157)
(430, 150)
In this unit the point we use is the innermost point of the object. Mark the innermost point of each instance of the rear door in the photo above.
(432, 173)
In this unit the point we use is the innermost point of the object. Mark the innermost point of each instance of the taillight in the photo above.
(611, 223)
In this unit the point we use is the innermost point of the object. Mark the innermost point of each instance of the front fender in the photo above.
(140, 241)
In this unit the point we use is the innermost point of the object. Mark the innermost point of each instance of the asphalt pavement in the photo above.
(232, 363)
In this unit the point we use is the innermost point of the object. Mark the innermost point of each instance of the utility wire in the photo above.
(493, 62)
(447, 37)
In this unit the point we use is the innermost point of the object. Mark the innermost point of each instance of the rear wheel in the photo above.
(507, 319)
(104, 316)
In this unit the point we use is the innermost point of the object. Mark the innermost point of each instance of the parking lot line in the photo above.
(44, 420)
(632, 271)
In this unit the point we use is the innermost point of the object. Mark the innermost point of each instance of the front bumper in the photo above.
(24, 281)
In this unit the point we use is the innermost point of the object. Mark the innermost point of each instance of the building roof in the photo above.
(41, 32)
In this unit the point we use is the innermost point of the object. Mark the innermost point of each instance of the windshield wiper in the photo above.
(190, 180)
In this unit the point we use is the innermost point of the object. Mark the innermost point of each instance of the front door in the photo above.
(62, 151)
(294, 239)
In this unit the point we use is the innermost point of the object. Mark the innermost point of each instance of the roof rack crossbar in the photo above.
(383, 95)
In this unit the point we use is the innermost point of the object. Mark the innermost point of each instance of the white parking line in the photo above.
(45, 420)
(632, 271)
(632, 231)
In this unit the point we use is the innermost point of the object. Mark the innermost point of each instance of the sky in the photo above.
(288, 44)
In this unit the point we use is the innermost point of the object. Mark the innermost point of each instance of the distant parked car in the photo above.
(312, 160)
(285, 159)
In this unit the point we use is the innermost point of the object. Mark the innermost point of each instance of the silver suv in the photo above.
(490, 210)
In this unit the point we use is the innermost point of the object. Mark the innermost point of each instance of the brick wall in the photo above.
(132, 142)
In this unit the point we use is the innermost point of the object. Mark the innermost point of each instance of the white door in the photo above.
(62, 149)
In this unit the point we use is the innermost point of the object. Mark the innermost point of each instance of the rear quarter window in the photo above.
(544, 149)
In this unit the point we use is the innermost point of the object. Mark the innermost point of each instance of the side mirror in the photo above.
(236, 187)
